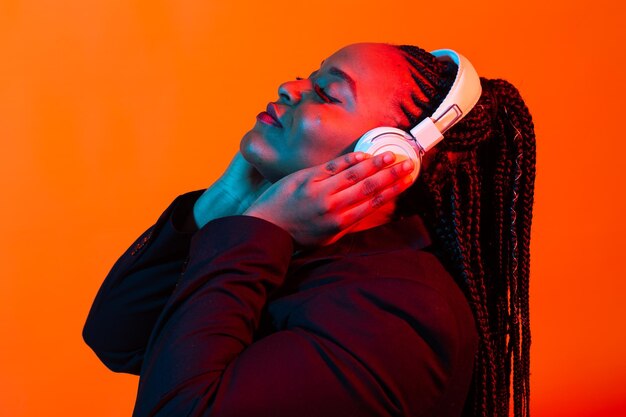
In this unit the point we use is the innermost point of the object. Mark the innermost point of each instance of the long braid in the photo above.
(476, 195)
(523, 125)
(500, 234)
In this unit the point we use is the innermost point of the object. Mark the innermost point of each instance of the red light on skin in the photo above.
(265, 117)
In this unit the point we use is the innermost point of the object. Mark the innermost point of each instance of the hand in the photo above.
(238, 187)
(318, 205)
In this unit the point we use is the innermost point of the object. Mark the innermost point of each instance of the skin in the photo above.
(315, 131)
(300, 174)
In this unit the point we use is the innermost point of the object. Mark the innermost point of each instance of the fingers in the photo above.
(357, 188)
(375, 186)
(340, 164)
(358, 172)
(369, 206)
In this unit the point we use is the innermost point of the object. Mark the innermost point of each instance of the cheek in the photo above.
(318, 137)
(307, 129)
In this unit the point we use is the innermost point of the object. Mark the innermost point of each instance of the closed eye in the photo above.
(324, 95)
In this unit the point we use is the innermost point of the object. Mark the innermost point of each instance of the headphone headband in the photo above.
(461, 98)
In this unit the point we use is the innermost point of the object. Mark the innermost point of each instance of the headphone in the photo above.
(461, 98)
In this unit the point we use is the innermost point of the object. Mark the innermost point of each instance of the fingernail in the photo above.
(407, 165)
(388, 157)
(359, 156)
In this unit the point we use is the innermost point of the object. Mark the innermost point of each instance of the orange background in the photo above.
(111, 108)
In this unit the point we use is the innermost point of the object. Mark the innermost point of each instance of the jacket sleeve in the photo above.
(136, 289)
(345, 353)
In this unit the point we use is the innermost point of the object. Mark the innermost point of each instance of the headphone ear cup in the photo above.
(383, 139)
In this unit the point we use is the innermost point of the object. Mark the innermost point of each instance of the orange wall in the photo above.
(111, 108)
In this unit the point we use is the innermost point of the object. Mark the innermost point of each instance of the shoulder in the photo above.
(406, 285)
(412, 278)
(404, 319)
(409, 297)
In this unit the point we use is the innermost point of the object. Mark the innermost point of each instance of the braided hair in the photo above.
(476, 196)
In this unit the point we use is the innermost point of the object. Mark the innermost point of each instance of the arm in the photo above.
(139, 284)
(365, 348)
(134, 292)
(320, 208)
(235, 263)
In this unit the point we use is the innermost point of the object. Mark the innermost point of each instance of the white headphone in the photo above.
(461, 98)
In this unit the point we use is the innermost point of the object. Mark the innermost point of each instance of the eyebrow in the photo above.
(343, 75)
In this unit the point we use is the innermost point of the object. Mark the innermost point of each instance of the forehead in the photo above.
(378, 70)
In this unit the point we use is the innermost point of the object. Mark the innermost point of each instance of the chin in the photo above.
(256, 154)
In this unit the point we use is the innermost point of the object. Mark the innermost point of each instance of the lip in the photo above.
(266, 118)
(271, 110)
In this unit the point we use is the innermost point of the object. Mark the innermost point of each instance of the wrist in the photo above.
(219, 201)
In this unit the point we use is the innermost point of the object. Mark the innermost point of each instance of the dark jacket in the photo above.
(371, 325)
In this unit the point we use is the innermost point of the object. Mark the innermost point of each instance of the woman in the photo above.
(311, 287)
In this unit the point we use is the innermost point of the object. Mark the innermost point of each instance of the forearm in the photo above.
(134, 292)
(235, 264)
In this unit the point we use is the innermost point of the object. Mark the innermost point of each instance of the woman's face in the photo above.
(321, 117)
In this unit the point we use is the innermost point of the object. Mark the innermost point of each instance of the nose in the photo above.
(290, 92)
